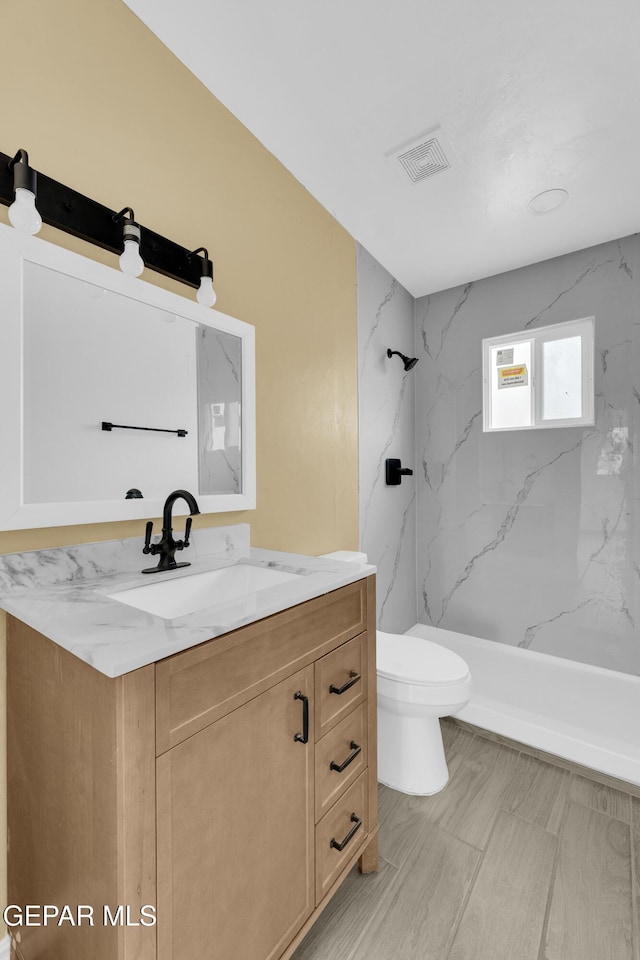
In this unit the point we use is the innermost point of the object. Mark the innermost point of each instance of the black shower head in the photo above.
(409, 362)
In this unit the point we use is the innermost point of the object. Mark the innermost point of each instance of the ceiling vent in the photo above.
(423, 157)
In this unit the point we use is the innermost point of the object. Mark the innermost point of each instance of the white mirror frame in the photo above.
(15, 514)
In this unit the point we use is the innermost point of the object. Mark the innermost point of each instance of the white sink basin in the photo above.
(189, 593)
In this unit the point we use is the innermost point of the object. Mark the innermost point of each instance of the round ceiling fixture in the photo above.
(548, 201)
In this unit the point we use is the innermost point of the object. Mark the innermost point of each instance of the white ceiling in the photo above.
(530, 95)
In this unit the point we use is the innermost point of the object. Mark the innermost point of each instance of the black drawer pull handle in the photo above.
(304, 736)
(345, 763)
(354, 677)
(357, 823)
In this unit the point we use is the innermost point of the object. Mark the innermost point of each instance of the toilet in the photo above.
(418, 682)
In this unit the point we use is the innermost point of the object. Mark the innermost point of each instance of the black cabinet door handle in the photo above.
(304, 736)
(345, 763)
(354, 677)
(357, 823)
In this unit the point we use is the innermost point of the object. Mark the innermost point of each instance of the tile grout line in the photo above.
(533, 822)
(635, 895)
(607, 813)
(383, 900)
(542, 949)
(469, 890)
(563, 796)
(425, 818)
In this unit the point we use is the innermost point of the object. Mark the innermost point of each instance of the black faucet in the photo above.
(168, 546)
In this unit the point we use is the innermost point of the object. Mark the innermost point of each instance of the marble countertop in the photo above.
(63, 594)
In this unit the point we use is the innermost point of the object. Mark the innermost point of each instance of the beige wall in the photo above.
(102, 106)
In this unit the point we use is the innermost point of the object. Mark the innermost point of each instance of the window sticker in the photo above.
(504, 356)
(513, 376)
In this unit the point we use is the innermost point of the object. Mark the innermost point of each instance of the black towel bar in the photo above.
(121, 426)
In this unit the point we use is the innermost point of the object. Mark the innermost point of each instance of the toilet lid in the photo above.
(409, 659)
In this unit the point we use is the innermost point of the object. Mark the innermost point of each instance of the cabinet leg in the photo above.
(368, 861)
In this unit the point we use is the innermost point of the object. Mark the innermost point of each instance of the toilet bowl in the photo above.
(418, 682)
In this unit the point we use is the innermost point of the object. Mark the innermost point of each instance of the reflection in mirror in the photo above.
(94, 355)
(103, 357)
(219, 410)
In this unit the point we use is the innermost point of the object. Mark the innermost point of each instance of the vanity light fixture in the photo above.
(65, 209)
(23, 212)
(206, 295)
(130, 261)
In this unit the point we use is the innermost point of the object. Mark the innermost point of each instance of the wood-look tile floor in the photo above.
(515, 859)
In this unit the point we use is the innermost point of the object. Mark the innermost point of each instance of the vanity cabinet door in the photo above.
(236, 827)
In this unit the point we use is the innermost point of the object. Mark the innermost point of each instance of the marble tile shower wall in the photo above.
(387, 429)
(529, 538)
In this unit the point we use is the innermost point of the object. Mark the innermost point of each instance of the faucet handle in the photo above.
(181, 544)
(147, 538)
(187, 532)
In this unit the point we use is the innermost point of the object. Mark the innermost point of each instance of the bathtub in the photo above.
(582, 713)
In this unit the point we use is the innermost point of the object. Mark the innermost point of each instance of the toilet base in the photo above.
(411, 753)
(414, 793)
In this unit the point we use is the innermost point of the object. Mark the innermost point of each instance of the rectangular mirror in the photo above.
(111, 384)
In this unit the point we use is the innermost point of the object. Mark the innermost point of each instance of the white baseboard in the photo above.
(5, 948)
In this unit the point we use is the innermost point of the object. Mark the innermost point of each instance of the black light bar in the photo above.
(66, 209)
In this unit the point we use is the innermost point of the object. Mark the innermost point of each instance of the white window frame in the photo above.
(585, 329)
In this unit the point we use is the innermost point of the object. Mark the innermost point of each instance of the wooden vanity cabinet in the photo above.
(241, 790)
(227, 786)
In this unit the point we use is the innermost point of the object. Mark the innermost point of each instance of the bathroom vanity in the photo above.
(197, 750)
(231, 785)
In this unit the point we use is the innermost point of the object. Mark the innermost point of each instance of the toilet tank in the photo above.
(352, 556)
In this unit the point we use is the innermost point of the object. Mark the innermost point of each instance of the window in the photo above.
(539, 378)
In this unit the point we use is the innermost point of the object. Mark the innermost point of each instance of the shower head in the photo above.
(409, 362)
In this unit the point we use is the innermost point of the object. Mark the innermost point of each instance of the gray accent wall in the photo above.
(387, 429)
(530, 537)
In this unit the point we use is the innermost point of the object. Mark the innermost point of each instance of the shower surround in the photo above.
(387, 429)
(530, 537)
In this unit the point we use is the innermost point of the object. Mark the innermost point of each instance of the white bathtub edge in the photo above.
(590, 748)
(480, 714)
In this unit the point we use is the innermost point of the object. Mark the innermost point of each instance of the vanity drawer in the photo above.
(201, 685)
(348, 739)
(341, 684)
(348, 820)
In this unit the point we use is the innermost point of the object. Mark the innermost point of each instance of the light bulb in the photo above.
(206, 295)
(23, 212)
(130, 260)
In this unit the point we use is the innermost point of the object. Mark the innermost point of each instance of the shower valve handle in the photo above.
(395, 472)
